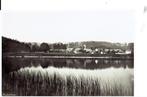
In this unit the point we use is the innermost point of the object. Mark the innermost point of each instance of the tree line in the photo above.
(11, 45)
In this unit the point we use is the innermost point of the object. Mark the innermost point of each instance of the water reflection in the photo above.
(12, 64)
(67, 77)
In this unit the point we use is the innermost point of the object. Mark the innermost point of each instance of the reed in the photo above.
(69, 81)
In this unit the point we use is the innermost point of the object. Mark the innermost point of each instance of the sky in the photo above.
(69, 26)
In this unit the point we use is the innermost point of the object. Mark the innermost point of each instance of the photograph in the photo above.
(68, 53)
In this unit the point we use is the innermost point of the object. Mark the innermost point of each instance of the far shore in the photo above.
(66, 55)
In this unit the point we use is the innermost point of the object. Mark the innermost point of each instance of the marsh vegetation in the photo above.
(69, 81)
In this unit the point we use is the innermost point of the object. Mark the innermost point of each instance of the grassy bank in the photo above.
(68, 81)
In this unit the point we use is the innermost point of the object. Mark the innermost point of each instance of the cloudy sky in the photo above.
(68, 26)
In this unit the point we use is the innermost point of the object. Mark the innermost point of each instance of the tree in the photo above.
(11, 45)
(44, 47)
(35, 47)
(59, 46)
(131, 47)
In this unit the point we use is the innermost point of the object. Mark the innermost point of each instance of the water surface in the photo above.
(67, 77)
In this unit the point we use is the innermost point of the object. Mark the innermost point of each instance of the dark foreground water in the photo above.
(52, 77)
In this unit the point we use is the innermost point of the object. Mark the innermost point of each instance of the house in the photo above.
(69, 50)
(77, 51)
(128, 52)
(88, 50)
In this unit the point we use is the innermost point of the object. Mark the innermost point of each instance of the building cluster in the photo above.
(85, 50)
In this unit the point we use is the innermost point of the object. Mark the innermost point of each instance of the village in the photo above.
(84, 50)
(75, 48)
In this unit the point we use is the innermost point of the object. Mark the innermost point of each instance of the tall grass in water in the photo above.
(68, 81)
